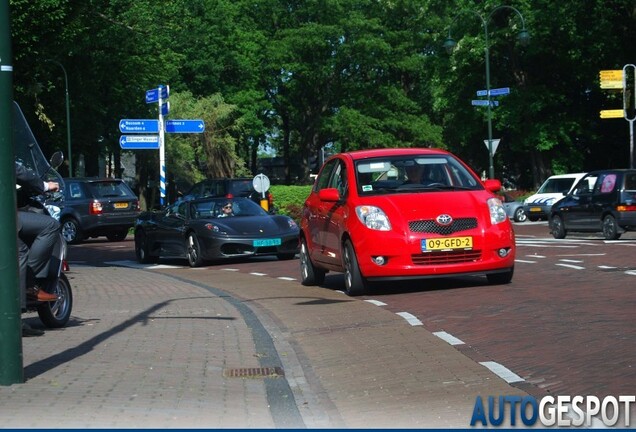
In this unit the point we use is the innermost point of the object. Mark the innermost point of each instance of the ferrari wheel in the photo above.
(141, 249)
(193, 251)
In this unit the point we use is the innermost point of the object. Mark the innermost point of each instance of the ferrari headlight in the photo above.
(373, 218)
(497, 211)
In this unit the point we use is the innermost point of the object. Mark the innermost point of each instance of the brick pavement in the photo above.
(155, 348)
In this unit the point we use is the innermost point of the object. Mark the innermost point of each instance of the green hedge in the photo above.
(289, 200)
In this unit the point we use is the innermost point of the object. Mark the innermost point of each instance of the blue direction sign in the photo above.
(494, 92)
(139, 126)
(139, 142)
(165, 108)
(484, 102)
(185, 126)
(153, 94)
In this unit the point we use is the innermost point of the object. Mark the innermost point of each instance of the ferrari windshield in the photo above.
(225, 207)
(398, 174)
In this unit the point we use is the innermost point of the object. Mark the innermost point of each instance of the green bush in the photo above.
(289, 200)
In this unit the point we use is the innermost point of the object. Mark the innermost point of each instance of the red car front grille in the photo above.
(431, 226)
(446, 257)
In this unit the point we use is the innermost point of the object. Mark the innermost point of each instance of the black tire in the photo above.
(310, 275)
(355, 283)
(56, 314)
(520, 215)
(557, 228)
(193, 250)
(285, 256)
(142, 251)
(610, 228)
(501, 278)
(116, 236)
(71, 231)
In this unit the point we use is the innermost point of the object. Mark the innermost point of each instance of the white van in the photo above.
(538, 206)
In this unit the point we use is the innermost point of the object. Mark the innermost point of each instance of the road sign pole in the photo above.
(162, 154)
(11, 371)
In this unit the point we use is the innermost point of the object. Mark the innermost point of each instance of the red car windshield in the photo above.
(399, 174)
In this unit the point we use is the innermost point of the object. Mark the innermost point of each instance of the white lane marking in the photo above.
(258, 274)
(286, 278)
(376, 302)
(134, 264)
(631, 272)
(571, 260)
(525, 261)
(606, 267)
(502, 372)
(571, 266)
(230, 269)
(449, 338)
(535, 256)
(583, 255)
(411, 319)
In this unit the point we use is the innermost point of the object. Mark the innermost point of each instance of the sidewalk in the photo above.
(210, 348)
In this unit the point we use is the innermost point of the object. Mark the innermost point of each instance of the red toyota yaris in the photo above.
(393, 214)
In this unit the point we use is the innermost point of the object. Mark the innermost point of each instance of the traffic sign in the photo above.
(185, 126)
(495, 144)
(139, 142)
(139, 126)
(484, 102)
(152, 95)
(165, 108)
(615, 113)
(611, 75)
(612, 84)
(494, 92)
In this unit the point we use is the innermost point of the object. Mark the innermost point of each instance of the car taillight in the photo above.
(95, 208)
(624, 208)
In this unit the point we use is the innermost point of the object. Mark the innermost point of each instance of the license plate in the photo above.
(121, 205)
(535, 209)
(266, 242)
(446, 243)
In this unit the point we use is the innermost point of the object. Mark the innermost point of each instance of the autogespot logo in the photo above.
(561, 411)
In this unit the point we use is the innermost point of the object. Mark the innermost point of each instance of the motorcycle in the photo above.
(53, 314)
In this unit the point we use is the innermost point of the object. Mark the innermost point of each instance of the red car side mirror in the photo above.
(329, 194)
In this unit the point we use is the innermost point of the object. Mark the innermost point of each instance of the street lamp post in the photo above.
(68, 117)
(449, 45)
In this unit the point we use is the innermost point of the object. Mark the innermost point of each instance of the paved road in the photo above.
(565, 325)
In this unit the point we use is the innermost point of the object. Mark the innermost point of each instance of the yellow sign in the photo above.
(611, 84)
(615, 113)
(611, 75)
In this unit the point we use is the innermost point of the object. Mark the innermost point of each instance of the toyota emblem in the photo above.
(444, 219)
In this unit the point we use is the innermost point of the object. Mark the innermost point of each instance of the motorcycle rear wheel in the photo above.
(56, 314)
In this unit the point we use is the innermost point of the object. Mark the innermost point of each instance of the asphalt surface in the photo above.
(213, 348)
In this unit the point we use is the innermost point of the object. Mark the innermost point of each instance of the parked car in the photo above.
(96, 207)
(555, 187)
(199, 231)
(394, 214)
(514, 209)
(238, 187)
(602, 201)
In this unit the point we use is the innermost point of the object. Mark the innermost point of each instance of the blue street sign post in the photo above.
(185, 126)
(480, 102)
(494, 92)
(139, 126)
(153, 95)
(139, 142)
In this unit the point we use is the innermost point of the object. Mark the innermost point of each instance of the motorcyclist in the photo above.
(37, 235)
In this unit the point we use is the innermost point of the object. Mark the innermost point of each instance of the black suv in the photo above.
(96, 207)
(238, 187)
(602, 201)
